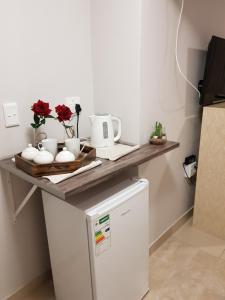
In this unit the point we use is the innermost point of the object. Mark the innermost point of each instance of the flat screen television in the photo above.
(212, 87)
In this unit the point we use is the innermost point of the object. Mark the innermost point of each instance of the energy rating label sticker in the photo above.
(102, 232)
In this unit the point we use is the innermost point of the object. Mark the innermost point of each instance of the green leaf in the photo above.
(43, 121)
(36, 119)
(50, 117)
(67, 126)
(35, 125)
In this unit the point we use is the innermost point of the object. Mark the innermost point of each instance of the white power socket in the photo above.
(190, 169)
(71, 102)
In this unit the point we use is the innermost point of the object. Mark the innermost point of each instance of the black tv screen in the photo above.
(213, 84)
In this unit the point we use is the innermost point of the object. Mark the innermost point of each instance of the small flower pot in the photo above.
(158, 141)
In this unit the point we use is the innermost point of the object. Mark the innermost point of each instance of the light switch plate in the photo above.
(71, 102)
(11, 114)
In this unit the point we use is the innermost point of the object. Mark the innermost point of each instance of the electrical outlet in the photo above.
(71, 102)
(190, 169)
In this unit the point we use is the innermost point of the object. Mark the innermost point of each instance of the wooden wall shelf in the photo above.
(83, 181)
(65, 189)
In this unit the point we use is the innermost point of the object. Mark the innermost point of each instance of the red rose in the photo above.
(64, 113)
(41, 108)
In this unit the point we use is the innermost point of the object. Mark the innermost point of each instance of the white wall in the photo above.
(115, 34)
(45, 53)
(142, 34)
(165, 96)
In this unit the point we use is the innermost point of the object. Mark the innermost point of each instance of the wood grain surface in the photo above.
(83, 181)
(209, 210)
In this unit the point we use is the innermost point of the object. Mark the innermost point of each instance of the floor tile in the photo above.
(204, 276)
(200, 240)
(159, 272)
(180, 286)
(209, 271)
(176, 254)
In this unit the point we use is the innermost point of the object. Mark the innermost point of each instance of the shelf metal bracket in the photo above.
(17, 210)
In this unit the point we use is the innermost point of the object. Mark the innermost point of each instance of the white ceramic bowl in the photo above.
(43, 157)
(65, 156)
(29, 153)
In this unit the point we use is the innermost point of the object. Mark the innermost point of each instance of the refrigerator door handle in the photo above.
(125, 212)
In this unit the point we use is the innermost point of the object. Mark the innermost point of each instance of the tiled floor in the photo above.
(188, 266)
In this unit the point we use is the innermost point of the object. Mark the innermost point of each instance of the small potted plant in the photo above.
(158, 136)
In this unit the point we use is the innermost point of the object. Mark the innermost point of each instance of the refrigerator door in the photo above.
(118, 240)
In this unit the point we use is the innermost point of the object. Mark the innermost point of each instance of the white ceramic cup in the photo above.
(50, 145)
(73, 145)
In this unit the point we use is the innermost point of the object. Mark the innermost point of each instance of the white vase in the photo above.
(73, 145)
(39, 135)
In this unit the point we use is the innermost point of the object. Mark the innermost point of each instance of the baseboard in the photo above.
(30, 287)
(170, 231)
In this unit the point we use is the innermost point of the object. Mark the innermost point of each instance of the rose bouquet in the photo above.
(64, 114)
(41, 113)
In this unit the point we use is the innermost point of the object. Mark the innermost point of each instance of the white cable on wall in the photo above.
(176, 52)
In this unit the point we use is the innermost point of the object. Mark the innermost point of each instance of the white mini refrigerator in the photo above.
(98, 242)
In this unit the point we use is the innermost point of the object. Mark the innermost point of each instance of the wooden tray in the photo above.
(87, 155)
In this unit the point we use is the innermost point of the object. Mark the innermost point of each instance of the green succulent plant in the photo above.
(158, 130)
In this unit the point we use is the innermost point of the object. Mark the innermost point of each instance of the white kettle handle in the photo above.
(116, 138)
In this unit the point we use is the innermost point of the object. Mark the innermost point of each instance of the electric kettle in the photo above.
(102, 131)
